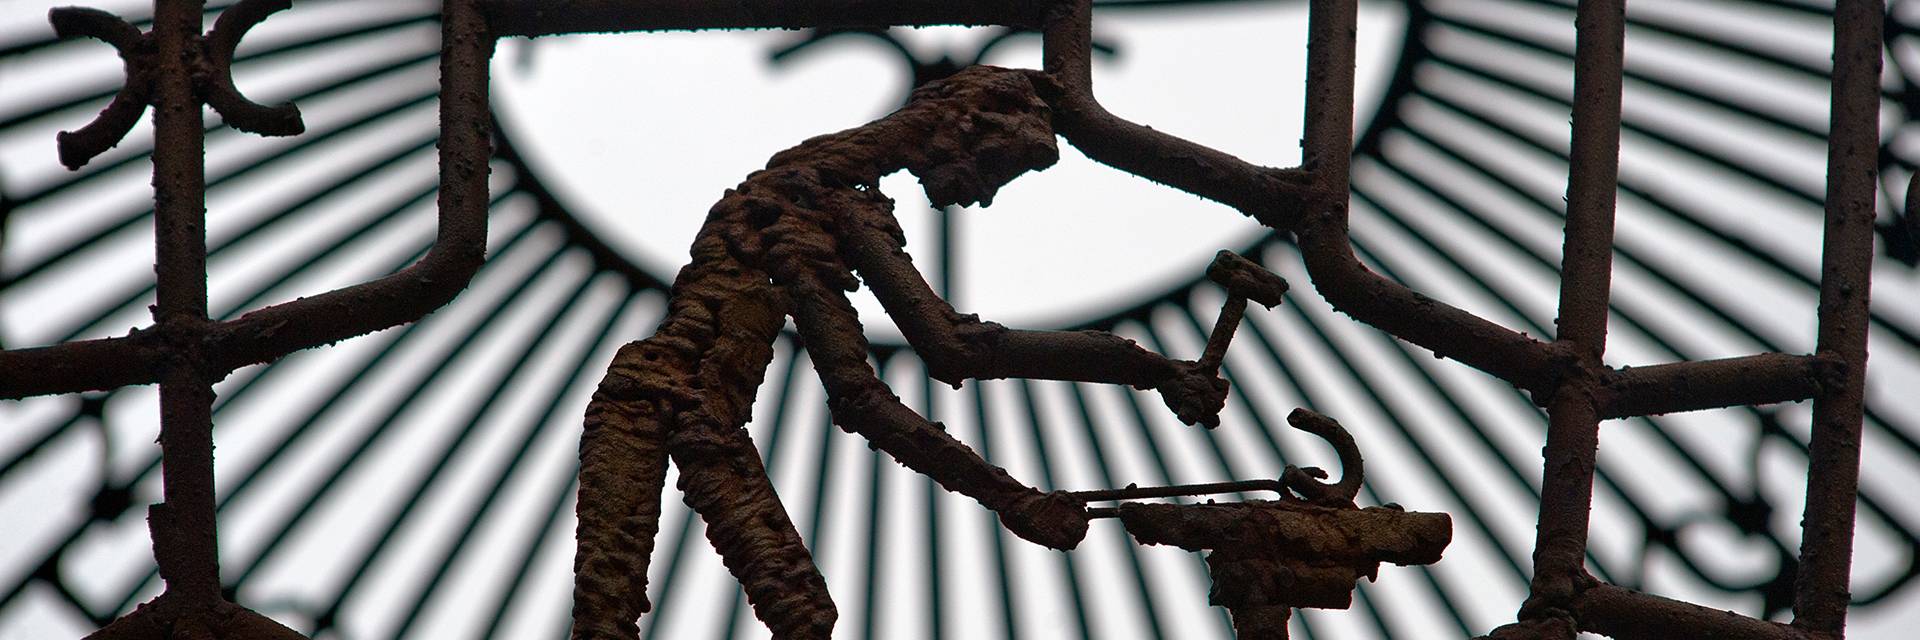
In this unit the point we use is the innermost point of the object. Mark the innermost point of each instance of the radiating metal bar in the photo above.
(503, 386)
(1323, 234)
(118, 302)
(1134, 568)
(1649, 195)
(242, 483)
(465, 339)
(543, 530)
(1887, 428)
(995, 534)
(459, 248)
(1706, 475)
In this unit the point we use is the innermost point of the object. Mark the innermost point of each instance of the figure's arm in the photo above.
(957, 347)
(862, 404)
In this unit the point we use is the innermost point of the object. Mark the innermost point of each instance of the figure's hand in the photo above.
(1054, 519)
(1196, 395)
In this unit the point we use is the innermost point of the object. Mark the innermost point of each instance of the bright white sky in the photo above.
(640, 134)
(681, 117)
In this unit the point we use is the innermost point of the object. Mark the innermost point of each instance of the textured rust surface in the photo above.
(791, 239)
(1846, 268)
(1372, 534)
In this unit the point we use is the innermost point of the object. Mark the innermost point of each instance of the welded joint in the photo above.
(1567, 369)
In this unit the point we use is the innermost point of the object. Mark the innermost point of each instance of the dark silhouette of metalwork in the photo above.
(185, 349)
(176, 69)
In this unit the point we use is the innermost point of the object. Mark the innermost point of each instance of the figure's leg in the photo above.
(959, 346)
(724, 480)
(862, 404)
(687, 391)
(623, 463)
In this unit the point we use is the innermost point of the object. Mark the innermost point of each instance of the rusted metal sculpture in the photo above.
(787, 242)
(770, 251)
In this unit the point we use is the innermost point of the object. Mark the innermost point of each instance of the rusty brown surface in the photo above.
(1267, 557)
(1334, 534)
(1846, 268)
(790, 240)
(266, 334)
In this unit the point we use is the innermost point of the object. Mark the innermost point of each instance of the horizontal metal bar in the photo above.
(1142, 493)
(1619, 612)
(1711, 384)
(534, 18)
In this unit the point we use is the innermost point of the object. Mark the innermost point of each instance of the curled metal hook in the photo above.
(238, 111)
(107, 129)
(1305, 481)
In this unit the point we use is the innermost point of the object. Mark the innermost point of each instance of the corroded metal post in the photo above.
(1833, 474)
(1573, 424)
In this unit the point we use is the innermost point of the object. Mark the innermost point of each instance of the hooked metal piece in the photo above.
(240, 112)
(113, 123)
(1305, 482)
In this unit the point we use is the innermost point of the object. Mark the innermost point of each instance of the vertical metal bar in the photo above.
(1586, 266)
(1833, 474)
(1328, 124)
(1573, 424)
(182, 526)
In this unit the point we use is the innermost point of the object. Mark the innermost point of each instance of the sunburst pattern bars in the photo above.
(1309, 201)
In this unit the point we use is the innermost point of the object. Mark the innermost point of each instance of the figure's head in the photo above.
(1000, 128)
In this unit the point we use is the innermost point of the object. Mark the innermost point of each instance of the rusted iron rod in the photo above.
(183, 525)
(1619, 612)
(1766, 378)
(459, 245)
(1586, 266)
(1573, 423)
(545, 17)
(88, 365)
(1833, 474)
(1269, 195)
(1337, 274)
